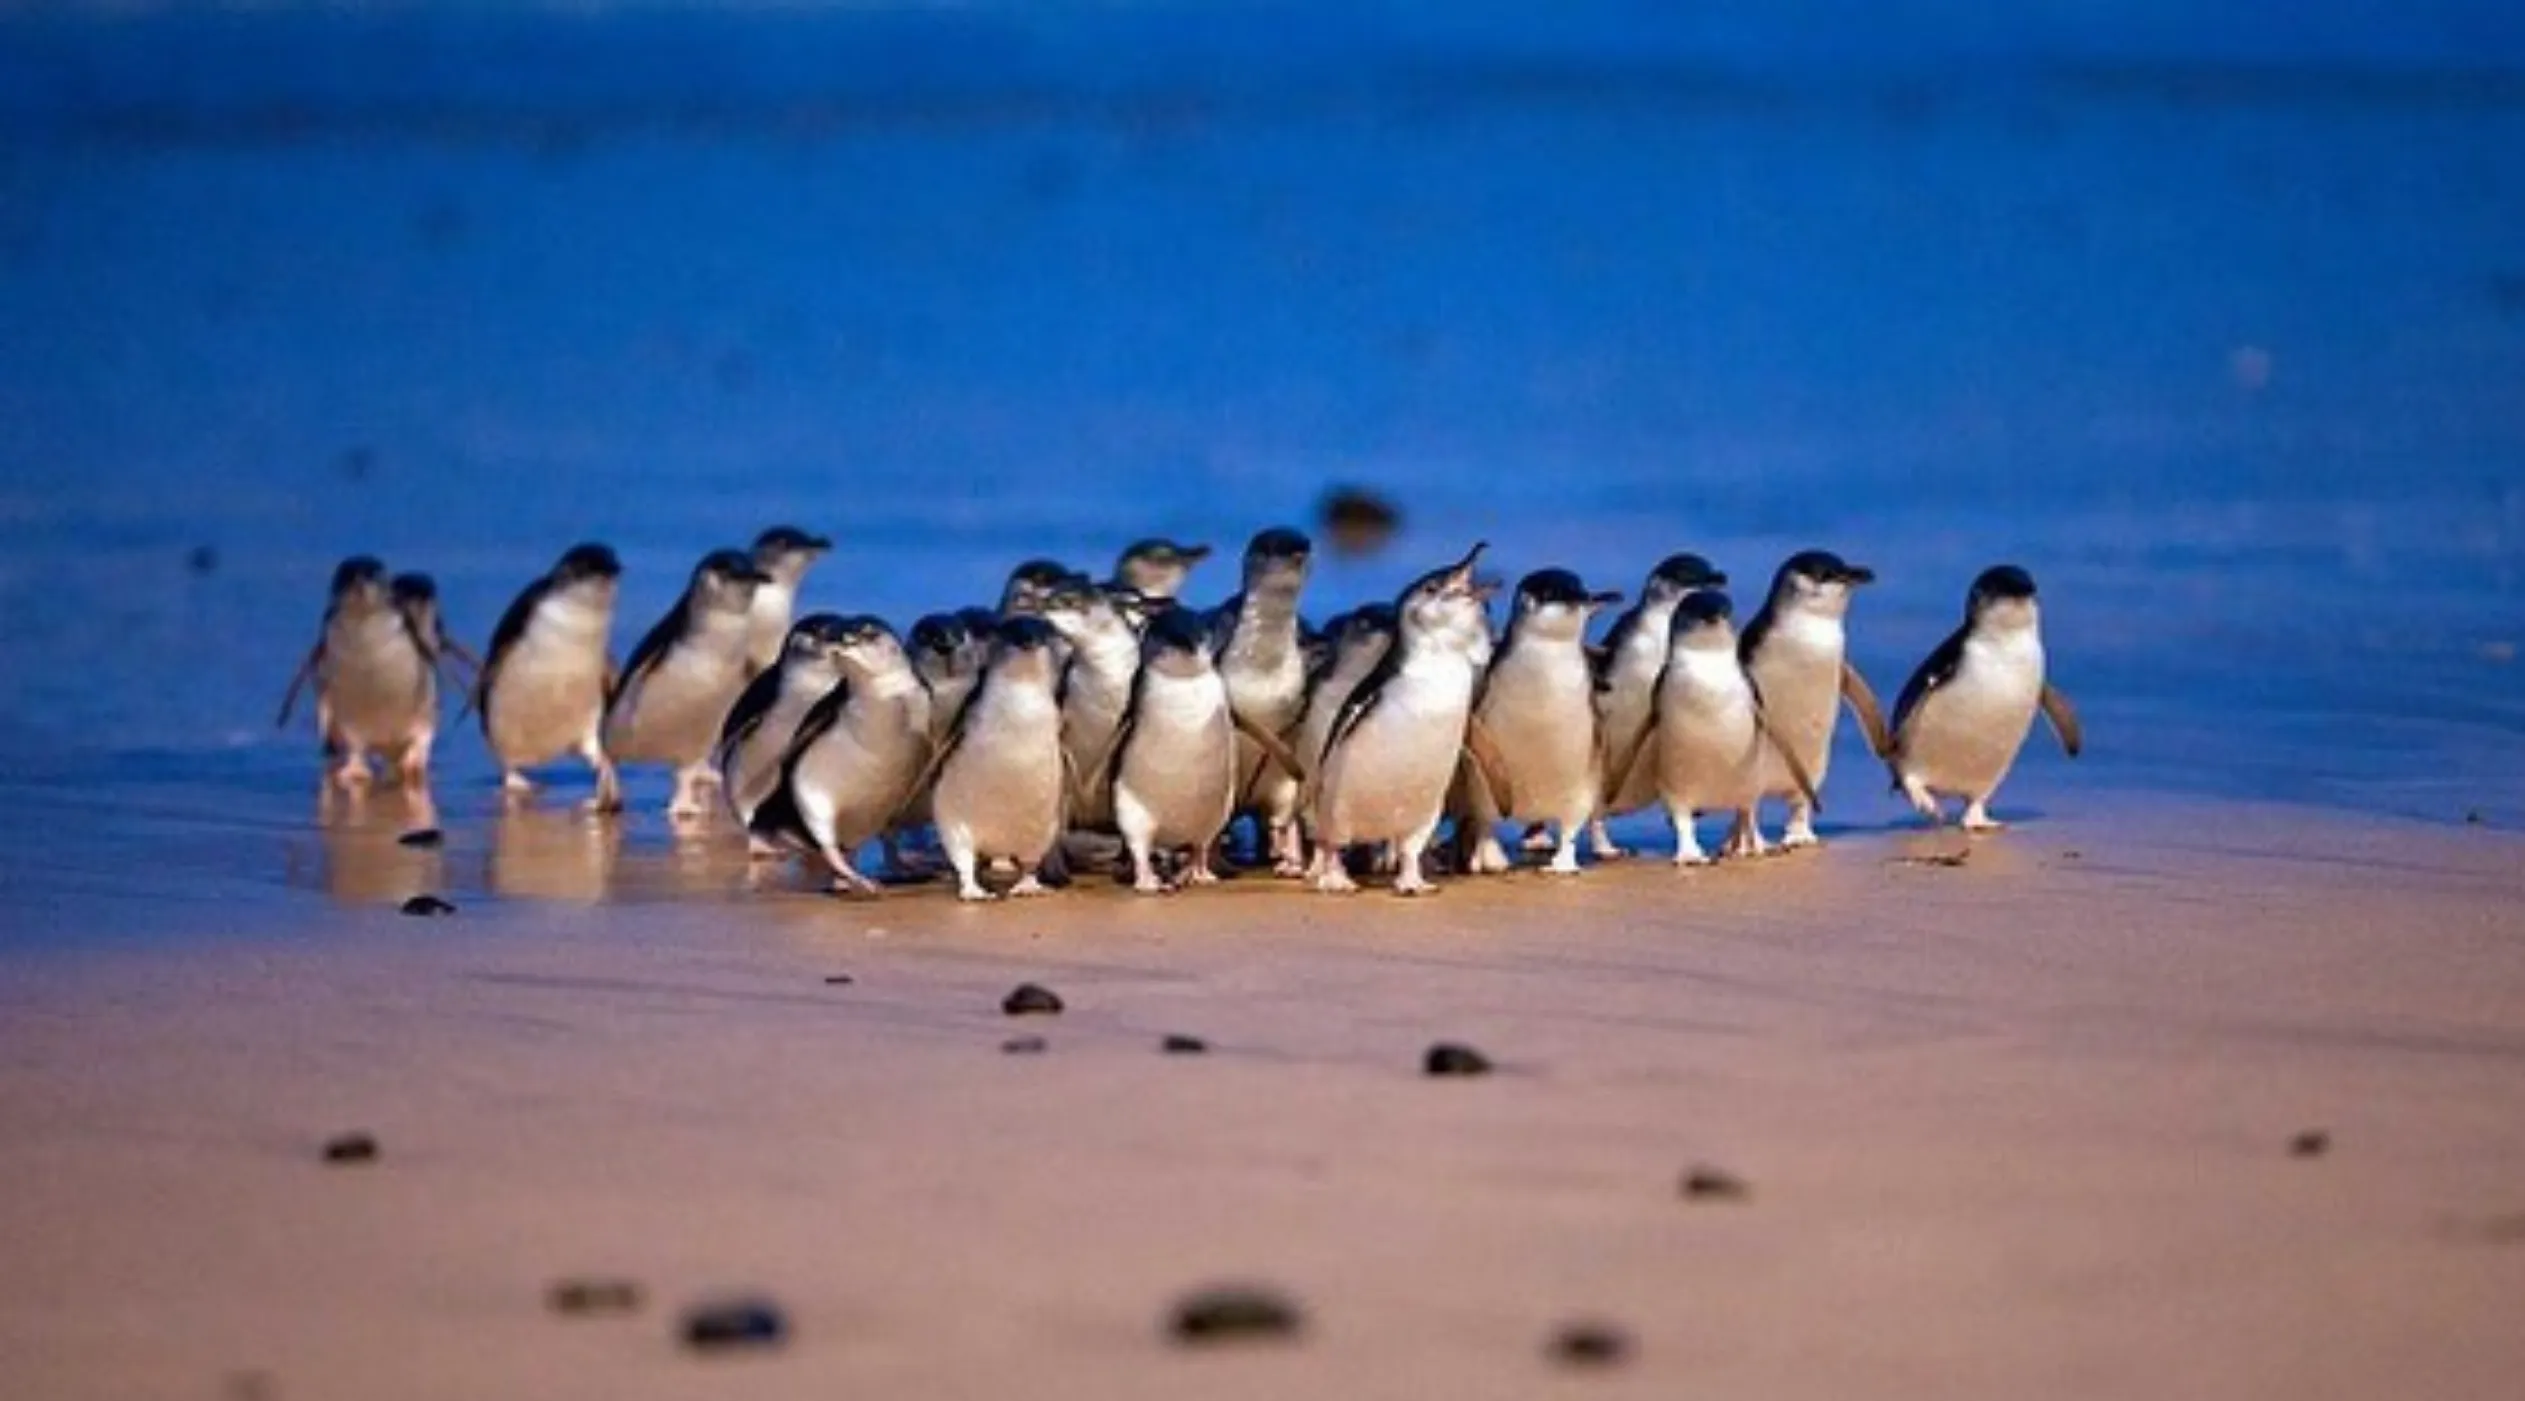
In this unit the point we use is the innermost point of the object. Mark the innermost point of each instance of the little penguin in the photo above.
(1965, 713)
(1395, 743)
(1627, 667)
(1257, 640)
(1173, 773)
(1104, 656)
(416, 595)
(1156, 569)
(1707, 738)
(376, 679)
(949, 651)
(1030, 583)
(768, 712)
(1797, 649)
(681, 681)
(1538, 701)
(857, 756)
(1354, 642)
(783, 554)
(999, 786)
(545, 676)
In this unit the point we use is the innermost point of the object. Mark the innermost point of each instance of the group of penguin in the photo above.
(1079, 713)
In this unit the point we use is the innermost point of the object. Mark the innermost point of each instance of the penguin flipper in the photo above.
(1855, 690)
(2064, 718)
(1935, 670)
(306, 673)
(1788, 759)
(1272, 746)
(1489, 764)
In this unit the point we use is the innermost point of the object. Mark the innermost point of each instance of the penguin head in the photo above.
(1818, 580)
(725, 579)
(813, 636)
(416, 595)
(981, 629)
(1364, 624)
(1176, 644)
(587, 569)
(1078, 609)
(1705, 618)
(1553, 603)
(1449, 599)
(1023, 647)
(865, 646)
(1029, 582)
(939, 636)
(1157, 567)
(1677, 575)
(2003, 597)
(360, 582)
(784, 552)
(1277, 558)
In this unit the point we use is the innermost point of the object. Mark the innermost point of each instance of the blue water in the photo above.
(2219, 329)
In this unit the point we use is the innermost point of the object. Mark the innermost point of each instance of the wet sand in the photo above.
(2018, 1127)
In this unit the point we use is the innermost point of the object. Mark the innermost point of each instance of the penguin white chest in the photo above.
(1388, 778)
(1002, 786)
(1709, 749)
(1540, 708)
(1968, 731)
(551, 686)
(1798, 669)
(1178, 778)
(378, 686)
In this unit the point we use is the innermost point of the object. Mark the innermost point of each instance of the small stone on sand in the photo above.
(349, 1148)
(422, 837)
(427, 907)
(1024, 1046)
(1184, 1046)
(736, 1324)
(2310, 1143)
(1031, 999)
(1449, 1058)
(583, 1298)
(1239, 1313)
(1590, 1345)
(1703, 1183)
(839, 980)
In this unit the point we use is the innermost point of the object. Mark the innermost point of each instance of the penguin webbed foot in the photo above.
(1978, 821)
(1029, 886)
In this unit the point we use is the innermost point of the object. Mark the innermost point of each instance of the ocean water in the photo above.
(2220, 332)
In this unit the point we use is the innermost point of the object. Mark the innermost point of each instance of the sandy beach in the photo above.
(2021, 1126)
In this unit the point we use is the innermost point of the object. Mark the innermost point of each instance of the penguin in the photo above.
(1395, 743)
(1030, 582)
(1538, 701)
(755, 738)
(1157, 569)
(857, 756)
(949, 651)
(1627, 666)
(1797, 649)
(676, 691)
(545, 677)
(997, 786)
(1104, 657)
(1965, 713)
(784, 554)
(1353, 644)
(416, 597)
(376, 680)
(1259, 647)
(1707, 740)
(1173, 773)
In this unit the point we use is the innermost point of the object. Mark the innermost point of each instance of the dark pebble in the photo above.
(1358, 521)
(351, 1148)
(1024, 1046)
(1237, 1314)
(743, 1323)
(2311, 1143)
(839, 980)
(427, 906)
(1448, 1058)
(422, 837)
(582, 1298)
(1184, 1046)
(1703, 1183)
(1590, 1345)
(1031, 999)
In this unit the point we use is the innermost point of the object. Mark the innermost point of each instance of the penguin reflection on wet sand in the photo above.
(784, 554)
(1797, 648)
(856, 757)
(376, 679)
(545, 676)
(1708, 736)
(1000, 782)
(1396, 741)
(1965, 713)
(684, 677)
(1258, 640)
(767, 714)
(1538, 701)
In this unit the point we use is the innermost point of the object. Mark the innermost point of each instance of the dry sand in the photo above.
(2018, 1128)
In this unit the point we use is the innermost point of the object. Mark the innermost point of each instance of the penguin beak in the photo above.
(1192, 554)
(1460, 579)
(1858, 574)
(1603, 600)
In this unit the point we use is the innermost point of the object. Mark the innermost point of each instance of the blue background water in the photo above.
(2216, 323)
